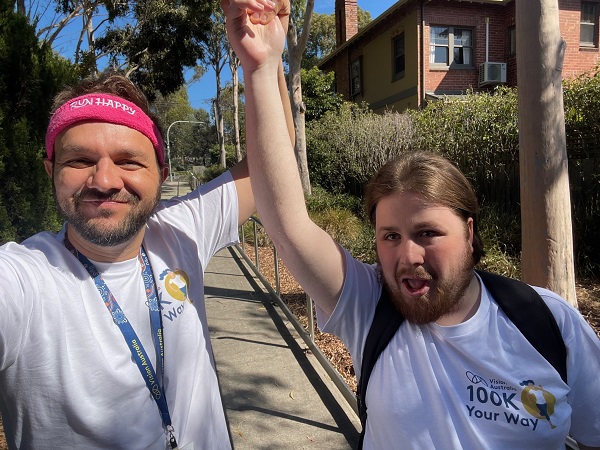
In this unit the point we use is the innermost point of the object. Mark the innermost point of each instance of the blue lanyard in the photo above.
(135, 345)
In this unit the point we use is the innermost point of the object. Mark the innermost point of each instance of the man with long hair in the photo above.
(450, 376)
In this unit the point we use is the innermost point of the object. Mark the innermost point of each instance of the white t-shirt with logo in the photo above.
(67, 378)
(476, 385)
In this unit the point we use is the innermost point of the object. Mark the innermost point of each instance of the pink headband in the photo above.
(103, 108)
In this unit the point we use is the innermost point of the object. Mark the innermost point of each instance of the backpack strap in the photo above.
(386, 322)
(530, 314)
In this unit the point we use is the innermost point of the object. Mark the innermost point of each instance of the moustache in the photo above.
(94, 195)
(419, 273)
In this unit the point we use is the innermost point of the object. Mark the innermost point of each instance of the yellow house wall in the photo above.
(378, 87)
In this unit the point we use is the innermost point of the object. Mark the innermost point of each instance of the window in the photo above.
(451, 47)
(399, 63)
(512, 41)
(589, 24)
(355, 77)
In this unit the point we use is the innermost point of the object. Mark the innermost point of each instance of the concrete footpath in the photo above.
(276, 395)
(174, 188)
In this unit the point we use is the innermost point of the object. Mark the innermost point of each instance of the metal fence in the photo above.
(308, 335)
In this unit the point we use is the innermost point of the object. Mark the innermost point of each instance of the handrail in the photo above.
(193, 180)
(307, 336)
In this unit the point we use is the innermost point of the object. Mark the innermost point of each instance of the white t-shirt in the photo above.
(467, 386)
(67, 378)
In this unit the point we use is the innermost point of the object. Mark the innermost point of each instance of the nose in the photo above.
(105, 176)
(411, 253)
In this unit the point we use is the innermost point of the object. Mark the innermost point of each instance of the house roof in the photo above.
(391, 10)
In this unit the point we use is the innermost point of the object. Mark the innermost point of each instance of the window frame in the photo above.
(593, 23)
(450, 46)
(397, 75)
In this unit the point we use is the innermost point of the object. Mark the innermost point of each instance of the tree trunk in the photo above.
(219, 123)
(234, 64)
(547, 241)
(21, 7)
(295, 49)
(87, 16)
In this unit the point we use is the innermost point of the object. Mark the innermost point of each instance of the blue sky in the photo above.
(202, 91)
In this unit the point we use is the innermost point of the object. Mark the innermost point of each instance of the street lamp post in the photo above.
(169, 144)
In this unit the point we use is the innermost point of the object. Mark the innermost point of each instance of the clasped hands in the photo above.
(262, 11)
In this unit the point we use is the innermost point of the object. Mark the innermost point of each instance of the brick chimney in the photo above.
(346, 20)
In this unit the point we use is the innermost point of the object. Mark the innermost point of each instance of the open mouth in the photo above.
(415, 286)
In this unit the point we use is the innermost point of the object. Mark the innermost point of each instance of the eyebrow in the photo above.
(419, 225)
(127, 152)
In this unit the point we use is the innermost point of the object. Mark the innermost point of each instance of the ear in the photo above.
(470, 233)
(48, 165)
(164, 173)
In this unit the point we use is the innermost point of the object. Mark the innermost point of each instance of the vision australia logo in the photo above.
(176, 284)
(537, 401)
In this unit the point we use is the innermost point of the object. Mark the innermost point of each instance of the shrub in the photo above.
(478, 132)
(501, 235)
(211, 173)
(318, 93)
(320, 200)
(347, 147)
(349, 231)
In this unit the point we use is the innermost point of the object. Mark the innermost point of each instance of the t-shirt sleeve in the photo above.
(353, 314)
(583, 368)
(17, 287)
(209, 215)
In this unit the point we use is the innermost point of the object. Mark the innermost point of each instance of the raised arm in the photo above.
(310, 254)
(241, 177)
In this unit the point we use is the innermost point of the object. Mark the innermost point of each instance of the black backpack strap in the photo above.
(530, 314)
(386, 322)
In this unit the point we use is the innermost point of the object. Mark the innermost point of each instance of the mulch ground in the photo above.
(3, 445)
(588, 297)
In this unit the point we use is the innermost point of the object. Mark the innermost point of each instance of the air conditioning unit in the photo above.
(492, 73)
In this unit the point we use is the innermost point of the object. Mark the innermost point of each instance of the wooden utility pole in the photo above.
(547, 239)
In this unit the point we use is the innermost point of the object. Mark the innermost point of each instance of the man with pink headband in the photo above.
(103, 334)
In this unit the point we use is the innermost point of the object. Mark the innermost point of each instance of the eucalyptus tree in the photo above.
(152, 41)
(215, 49)
(232, 108)
(297, 38)
(547, 237)
(234, 65)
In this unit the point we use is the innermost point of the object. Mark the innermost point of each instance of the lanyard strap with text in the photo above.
(135, 345)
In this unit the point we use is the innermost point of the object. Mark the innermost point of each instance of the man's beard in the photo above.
(105, 236)
(441, 301)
